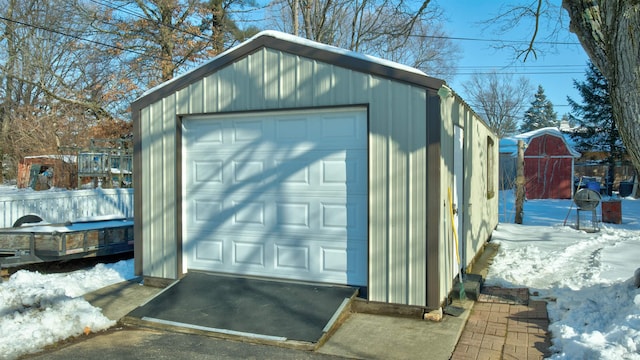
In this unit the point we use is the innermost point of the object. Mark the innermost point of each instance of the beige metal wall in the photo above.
(478, 207)
(270, 79)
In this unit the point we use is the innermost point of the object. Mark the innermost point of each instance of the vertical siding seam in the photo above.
(409, 203)
(296, 91)
(391, 277)
(204, 94)
(167, 251)
(280, 95)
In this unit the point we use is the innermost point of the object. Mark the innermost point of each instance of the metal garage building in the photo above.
(289, 159)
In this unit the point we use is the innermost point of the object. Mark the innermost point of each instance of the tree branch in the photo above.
(530, 49)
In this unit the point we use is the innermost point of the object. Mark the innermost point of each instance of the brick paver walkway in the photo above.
(499, 329)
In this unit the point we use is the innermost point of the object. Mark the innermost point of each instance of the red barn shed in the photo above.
(548, 163)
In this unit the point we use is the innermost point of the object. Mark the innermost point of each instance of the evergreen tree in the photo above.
(597, 130)
(540, 114)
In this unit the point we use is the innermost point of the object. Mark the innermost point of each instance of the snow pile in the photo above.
(38, 310)
(587, 278)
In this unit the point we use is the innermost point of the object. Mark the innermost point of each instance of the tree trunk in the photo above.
(520, 183)
(7, 104)
(609, 31)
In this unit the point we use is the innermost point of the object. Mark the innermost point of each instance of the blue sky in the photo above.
(555, 68)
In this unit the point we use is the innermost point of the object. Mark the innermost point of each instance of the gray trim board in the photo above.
(137, 195)
(179, 195)
(434, 124)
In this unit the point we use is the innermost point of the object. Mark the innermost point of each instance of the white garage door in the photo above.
(277, 194)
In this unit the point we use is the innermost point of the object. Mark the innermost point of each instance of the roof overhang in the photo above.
(296, 46)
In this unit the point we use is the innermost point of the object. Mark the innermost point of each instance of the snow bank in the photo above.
(586, 278)
(37, 310)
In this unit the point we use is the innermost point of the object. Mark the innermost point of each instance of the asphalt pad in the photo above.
(247, 306)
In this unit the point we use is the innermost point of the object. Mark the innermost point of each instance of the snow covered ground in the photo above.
(585, 277)
(41, 309)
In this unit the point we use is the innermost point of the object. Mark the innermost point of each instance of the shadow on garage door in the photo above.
(249, 308)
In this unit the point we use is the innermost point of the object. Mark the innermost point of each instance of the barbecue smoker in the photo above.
(587, 201)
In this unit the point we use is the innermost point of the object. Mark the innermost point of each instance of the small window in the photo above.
(491, 163)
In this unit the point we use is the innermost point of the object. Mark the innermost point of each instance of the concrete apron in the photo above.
(291, 314)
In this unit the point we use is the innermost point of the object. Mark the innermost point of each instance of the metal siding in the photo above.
(480, 213)
(252, 85)
(323, 81)
(305, 91)
(196, 98)
(143, 194)
(211, 93)
(378, 197)
(446, 248)
(271, 78)
(183, 101)
(158, 193)
(226, 89)
(167, 172)
(417, 198)
(397, 158)
(398, 155)
(434, 207)
(155, 230)
(288, 84)
(343, 86)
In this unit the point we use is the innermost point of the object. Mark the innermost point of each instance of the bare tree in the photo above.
(607, 30)
(399, 30)
(158, 38)
(499, 99)
(43, 60)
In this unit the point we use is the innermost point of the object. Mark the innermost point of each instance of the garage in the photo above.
(289, 160)
(277, 194)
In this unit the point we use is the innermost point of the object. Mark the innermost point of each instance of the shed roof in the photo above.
(64, 158)
(509, 145)
(297, 46)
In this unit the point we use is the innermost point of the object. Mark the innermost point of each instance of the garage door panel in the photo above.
(203, 133)
(209, 251)
(293, 215)
(342, 132)
(340, 128)
(289, 259)
(279, 195)
(287, 214)
(205, 171)
(329, 171)
(248, 213)
(292, 130)
(292, 257)
(207, 211)
(248, 254)
(248, 131)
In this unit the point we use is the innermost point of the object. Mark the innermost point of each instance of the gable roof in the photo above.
(297, 46)
(509, 145)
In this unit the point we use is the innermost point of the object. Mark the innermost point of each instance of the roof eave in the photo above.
(272, 42)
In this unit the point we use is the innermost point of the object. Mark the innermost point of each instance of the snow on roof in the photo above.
(65, 158)
(509, 145)
(301, 41)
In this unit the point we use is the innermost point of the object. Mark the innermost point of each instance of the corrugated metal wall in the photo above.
(269, 79)
(478, 207)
